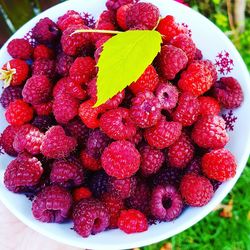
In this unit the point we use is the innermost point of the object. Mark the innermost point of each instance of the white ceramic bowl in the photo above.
(211, 41)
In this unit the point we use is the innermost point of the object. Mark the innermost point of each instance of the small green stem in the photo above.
(98, 31)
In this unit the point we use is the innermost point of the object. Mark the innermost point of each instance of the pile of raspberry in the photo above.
(144, 155)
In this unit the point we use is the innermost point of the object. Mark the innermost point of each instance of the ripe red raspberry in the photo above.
(166, 203)
(132, 221)
(18, 113)
(56, 144)
(65, 108)
(229, 92)
(169, 28)
(7, 139)
(44, 108)
(151, 160)
(82, 70)
(81, 193)
(70, 18)
(116, 4)
(10, 94)
(120, 159)
(196, 190)
(89, 162)
(181, 152)
(123, 188)
(102, 25)
(29, 139)
(45, 31)
(210, 132)
(43, 122)
(37, 89)
(167, 95)
(44, 67)
(121, 15)
(114, 205)
(85, 215)
(168, 176)
(185, 43)
(140, 198)
(89, 115)
(188, 109)
(14, 72)
(66, 174)
(73, 44)
(145, 14)
(171, 61)
(23, 172)
(63, 64)
(43, 52)
(78, 130)
(163, 134)
(108, 16)
(67, 86)
(145, 110)
(117, 124)
(209, 105)
(148, 81)
(20, 48)
(197, 79)
(52, 204)
(209, 64)
(219, 165)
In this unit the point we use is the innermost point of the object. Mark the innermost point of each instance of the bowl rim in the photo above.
(164, 235)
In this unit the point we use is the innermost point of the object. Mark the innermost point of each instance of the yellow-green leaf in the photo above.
(124, 59)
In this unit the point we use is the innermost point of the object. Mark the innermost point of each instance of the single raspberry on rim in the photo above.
(132, 221)
(20, 49)
(166, 203)
(219, 165)
(121, 159)
(210, 132)
(196, 190)
(163, 134)
(18, 113)
(90, 216)
(52, 204)
(117, 124)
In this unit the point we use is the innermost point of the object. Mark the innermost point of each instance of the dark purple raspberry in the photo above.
(77, 129)
(44, 122)
(166, 203)
(96, 143)
(167, 176)
(198, 55)
(140, 198)
(44, 67)
(194, 166)
(45, 31)
(52, 204)
(151, 160)
(167, 95)
(123, 188)
(9, 95)
(117, 124)
(22, 173)
(66, 174)
(145, 14)
(116, 4)
(63, 64)
(98, 183)
(145, 110)
(215, 184)
(90, 217)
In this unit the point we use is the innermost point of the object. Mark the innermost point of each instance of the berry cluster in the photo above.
(147, 153)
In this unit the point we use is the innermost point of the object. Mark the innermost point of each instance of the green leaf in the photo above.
(124, 59)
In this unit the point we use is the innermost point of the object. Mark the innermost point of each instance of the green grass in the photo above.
(215, 232)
